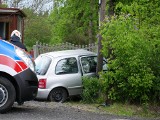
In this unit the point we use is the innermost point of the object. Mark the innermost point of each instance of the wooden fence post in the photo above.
(35, 51)
(40, 48)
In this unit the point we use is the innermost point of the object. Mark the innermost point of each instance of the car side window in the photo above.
(89, 64)
(66, 66)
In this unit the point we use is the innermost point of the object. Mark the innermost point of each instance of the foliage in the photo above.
(36, 5)
(132, 39)
(69, 21)
(131, 42)
(74, 21)
(37, 28)
(3, 6)
(91, 89)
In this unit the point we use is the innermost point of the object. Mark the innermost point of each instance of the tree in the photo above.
(102, 13)
(36, 5)
(75, 21)
(37, 28)
(14, 3)
(2, 4)
(40, 5)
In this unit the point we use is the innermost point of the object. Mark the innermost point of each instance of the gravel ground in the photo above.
(35, 110)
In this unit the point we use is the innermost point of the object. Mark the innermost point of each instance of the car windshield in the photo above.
(89, 64)
(42, 64)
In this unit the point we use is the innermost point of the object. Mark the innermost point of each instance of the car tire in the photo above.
(58, 95)
(7, 95)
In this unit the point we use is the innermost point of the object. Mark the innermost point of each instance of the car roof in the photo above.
(79, 52)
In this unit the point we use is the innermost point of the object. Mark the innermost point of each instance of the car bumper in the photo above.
(27, 83)
(42, 94)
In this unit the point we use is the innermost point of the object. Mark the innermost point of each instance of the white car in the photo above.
(60, 73)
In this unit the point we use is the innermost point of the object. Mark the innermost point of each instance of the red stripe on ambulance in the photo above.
(22, 64)
(13, 64)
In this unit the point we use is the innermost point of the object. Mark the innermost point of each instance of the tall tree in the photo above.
(14, 3)
(40, 5)
(2, 4)
(37, 28)
(36, 5)
(102, 13)
(106, 9)
(77, 21)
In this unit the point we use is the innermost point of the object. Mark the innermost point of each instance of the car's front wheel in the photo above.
(58, 95)
(7, 95)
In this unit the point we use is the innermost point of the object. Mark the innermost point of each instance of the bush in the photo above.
(91, 89)
(133, 63)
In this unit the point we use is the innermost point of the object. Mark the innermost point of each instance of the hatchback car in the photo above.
(60, 73)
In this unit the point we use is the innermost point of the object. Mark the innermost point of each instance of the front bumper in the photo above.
(27, 84)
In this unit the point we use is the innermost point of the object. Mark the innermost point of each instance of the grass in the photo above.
(131, 110)
(119, 109)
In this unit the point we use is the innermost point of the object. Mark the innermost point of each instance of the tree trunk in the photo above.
(90, 31)
(111, 7)
(102, 13)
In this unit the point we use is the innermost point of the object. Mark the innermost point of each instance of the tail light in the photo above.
(42, 83)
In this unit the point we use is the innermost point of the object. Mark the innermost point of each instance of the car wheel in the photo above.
(58, 95)
(7, 95)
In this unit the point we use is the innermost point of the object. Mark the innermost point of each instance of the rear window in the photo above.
(42, 64)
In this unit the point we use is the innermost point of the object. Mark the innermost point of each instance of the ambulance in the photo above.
(18, 81)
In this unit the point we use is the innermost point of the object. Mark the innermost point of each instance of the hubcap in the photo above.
(3, 95)
(57, 96)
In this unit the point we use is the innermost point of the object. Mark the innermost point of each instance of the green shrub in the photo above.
(133, 65)
(91, 89)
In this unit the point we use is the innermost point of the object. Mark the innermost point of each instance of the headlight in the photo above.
(25, 58)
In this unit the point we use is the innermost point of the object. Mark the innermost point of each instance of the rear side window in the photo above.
(42, 64)
(67, 66)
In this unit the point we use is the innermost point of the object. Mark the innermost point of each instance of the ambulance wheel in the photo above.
(20, 103)
(7, 95)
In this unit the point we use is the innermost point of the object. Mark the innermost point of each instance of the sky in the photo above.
(28, 3)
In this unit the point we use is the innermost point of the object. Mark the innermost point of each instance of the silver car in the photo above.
(60, 73)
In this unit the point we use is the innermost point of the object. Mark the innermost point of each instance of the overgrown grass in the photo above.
(131, 110)
(119, 109)
(94, 94)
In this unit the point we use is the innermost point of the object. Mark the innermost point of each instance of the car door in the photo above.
(67, 74)
(89, 64)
